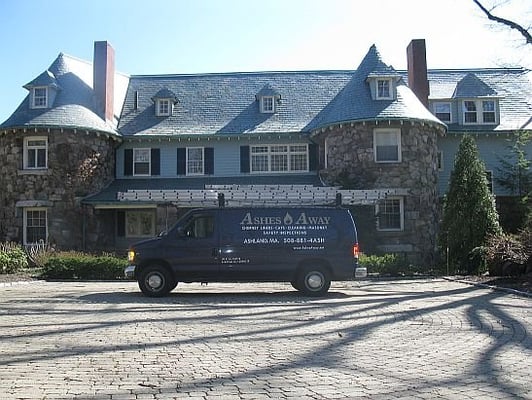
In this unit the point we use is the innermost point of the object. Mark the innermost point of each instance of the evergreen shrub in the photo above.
(12, 258)
(78, 265)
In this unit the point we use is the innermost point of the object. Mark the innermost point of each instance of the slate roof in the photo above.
(74, 105)
(512, 86)
(227, 104)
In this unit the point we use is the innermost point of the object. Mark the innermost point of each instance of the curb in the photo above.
(18, 283)
(484, 286)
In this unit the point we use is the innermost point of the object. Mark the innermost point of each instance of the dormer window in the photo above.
(164, 101)
(384, 89)
(163, 107)
(43, 90)
(442, 110)
(40, 97)
(267, 105)
(268, 98)
(479, 112)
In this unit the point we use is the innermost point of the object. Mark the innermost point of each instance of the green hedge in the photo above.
(12, 258)
(389, 265)
(74, 265)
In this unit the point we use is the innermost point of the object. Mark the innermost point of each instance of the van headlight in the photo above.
(131, 256)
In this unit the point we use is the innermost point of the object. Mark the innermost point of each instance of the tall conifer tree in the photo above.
(469, 212)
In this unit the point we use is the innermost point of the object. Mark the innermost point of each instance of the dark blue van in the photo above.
(309, 247)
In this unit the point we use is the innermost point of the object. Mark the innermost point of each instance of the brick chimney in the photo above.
(417, 70)
(104, 79)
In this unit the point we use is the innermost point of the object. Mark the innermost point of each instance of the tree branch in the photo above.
(511, 24)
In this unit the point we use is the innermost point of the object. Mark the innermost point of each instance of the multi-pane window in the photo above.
(35, 153)
(163, 107)
(195, 157)
(141, 161)
(480, 112)
(279, 158)
(488, 111)
(387, 145)
(390, 214)
(35, 225)
(443, 111)
(384, 89)
(40, 97)
(267, 104)
(140, 223)
(470, 112)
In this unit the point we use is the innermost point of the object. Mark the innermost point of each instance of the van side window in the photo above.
(200, 227)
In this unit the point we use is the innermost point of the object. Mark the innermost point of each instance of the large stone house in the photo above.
(88, 158)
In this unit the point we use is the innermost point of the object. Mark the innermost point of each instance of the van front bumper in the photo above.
(129, 272)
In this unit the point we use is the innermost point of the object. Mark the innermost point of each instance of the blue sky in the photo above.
(196, 36)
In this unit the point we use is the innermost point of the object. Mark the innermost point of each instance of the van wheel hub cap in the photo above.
(155, 281)
(315, 281)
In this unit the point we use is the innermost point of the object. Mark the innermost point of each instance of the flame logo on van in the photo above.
(288, 219)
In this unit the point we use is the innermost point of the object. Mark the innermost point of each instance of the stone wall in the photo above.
(79, 163)
(351, 163)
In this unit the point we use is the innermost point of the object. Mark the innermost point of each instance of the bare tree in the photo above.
(514, 25)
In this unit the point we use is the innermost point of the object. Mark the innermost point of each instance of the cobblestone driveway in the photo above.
(381, 340)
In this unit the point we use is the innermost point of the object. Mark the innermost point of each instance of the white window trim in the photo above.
(25, 152)
(158, 104)
(263, 102)
(401, 218)
(152, 220)
(25, 223)
(149, 162)
(33, 97)
(390, 92)
(269, 154)
(397, 132)
(202, 161)
(480, 112)
(450, 121)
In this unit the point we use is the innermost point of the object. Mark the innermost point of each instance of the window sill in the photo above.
(44, 171)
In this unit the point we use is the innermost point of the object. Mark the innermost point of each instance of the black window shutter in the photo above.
(312, 156)
(244, 159)
(156, 161)
(120, 223)
(209, 160)
(181, 161)
(128, 162)
(20, 144)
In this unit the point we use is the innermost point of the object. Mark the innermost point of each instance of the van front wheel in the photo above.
(156, 281)
(314, 281)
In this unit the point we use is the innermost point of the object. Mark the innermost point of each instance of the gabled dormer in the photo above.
(382, 78)
(43, 90)
(477, 102)
(268, 99)
(164, 101)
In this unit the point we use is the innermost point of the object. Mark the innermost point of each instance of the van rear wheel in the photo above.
(156, 281)
(314, 281)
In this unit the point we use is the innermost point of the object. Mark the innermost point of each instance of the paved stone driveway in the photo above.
(419, 339)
